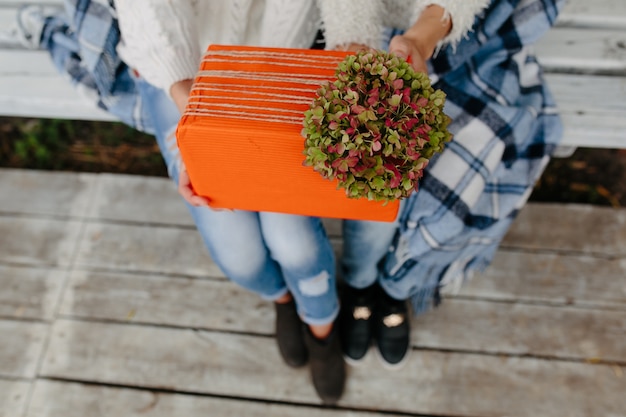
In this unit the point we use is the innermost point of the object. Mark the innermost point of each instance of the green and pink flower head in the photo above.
(375, 127)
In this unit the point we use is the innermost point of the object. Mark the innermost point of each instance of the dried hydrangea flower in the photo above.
(375, 127)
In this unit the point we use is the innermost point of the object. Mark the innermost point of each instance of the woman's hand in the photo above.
(406, 48)
(418, 43)
(186, 190)
(179, 92)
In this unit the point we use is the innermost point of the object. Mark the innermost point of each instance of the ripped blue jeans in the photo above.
(267, 253)
(270, 253)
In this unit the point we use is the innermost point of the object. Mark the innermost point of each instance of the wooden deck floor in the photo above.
(110, 307)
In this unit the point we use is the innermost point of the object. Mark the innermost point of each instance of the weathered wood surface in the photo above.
(78, 400)
(592, 108)
(190, 303)
(30, 293)
(133, 307)
(599, 13)
(13, 397)
(37, 240)
(565, 49)
(599, 231)
(552, 279)
(236, 365)
(166, 300)
(19, 357)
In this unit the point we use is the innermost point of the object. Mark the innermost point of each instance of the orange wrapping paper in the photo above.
(240, 136)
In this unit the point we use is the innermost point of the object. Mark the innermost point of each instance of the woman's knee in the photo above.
(296, 241)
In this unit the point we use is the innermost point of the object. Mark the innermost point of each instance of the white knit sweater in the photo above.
(363, 21)
(164, 39)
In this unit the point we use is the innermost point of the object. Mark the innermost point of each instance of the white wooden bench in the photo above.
(584, 57)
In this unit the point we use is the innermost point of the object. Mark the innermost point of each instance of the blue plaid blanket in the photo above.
(82, 44)
(504, 122)
(505, 127)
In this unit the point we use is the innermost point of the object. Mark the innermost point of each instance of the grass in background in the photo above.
(589, 176)
(85, 146)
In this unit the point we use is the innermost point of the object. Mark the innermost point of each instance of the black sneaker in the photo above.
(289, 335)
(355, 322)
(392, 330)
(328, 369)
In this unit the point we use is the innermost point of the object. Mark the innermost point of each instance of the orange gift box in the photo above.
(240, 136)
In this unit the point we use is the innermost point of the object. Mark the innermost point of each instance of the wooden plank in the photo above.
(561, 48)
(596, 95)
(35, 241)
(438, 383)
(551, 279)
(567, 333)
(29, 101)
(31, 63)
(595, 124)
(191, 361)
(569, 228)
(599, 13)
(522, 329)
(57, 193)
(594, 131)
(586, 50)
(578, 13)
(591, 117)
(58, 399)
(154, 200)
(169, 301)
(17, 3)
(9, 10)
(13, 397)
(149, 248)
(29, 293)
(245, 366)
(593, 109)
(21, 347)
(31, 86)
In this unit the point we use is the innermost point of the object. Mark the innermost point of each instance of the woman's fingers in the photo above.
(406, 48)
(186, 190)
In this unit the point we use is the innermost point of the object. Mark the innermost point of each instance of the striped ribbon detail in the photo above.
(260, 84)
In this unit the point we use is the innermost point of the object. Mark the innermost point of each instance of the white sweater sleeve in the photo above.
(461, 12)
(159, 39)
(352, 21)
(363, 21)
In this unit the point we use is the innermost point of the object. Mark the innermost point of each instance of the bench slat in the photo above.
(583, 50)
(578, 12)
(62, 399)
(593, 109)
(596, 13)
(190, 303)
(603, 120)
(30, 86)
(246, 366)
(28, 63)
(61, 100)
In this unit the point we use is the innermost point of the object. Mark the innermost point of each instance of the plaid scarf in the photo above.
(505, 127)
(82, 45)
